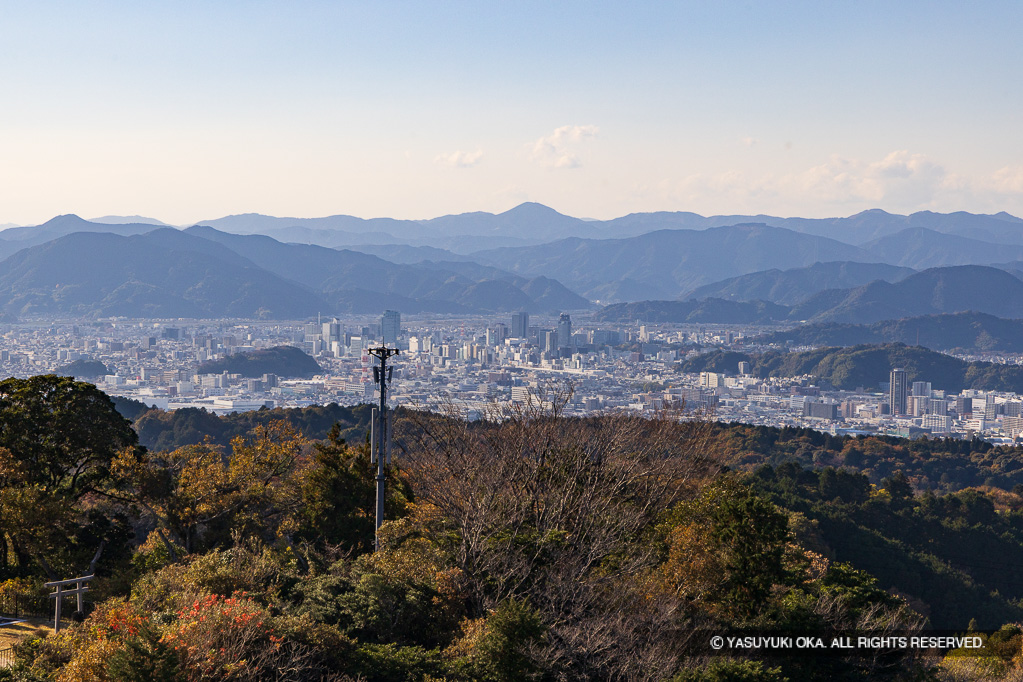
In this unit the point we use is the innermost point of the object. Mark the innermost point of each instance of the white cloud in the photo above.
(1008, 180)
(460, 159)
(900, 181)
(558, 150)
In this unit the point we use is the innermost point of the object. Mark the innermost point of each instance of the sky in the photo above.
(185, 111)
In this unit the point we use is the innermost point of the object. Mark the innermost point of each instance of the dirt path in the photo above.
(16, 632)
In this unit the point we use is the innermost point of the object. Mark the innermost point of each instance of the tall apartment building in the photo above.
(898, 391)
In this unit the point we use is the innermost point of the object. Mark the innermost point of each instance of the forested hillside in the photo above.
(523, 546)
(867, 366)
(284, 361)
(969, 330)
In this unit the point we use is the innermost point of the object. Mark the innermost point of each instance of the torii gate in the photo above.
(81, 587)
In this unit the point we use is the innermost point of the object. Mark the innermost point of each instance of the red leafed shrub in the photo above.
(231, 638)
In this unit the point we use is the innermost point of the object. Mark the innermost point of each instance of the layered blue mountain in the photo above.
(203, 273)
(345, 276)
(528, 223)
(860, 228)
(421, 265)
(15, 239)
(163, 273)
(532, 222)
(789, 287)
(934, 291)
(920, 248)
(665, 263)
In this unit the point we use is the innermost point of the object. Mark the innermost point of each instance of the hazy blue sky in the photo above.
(192, 110)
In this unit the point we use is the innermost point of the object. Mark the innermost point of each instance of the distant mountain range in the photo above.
(789, 287)
(920, 248)
(935, 291)
(201, 272)
(536, 223)
(530, 257)
(128, 220)
(666, 262)
(164, 273)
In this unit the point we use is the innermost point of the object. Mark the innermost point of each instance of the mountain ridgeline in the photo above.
(199, 273)
(529, 258)
(867, 366)
(932, 306)
(962, 331)
(789, 287)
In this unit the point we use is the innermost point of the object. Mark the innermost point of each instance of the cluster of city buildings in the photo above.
(477, 364)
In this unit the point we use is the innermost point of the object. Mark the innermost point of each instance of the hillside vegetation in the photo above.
(867, 366)
(286, 362)
(969, 330)
(523, 546)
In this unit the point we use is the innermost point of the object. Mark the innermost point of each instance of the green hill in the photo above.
(868, 366)
(84, 367)
(284, 361)
(969, 330)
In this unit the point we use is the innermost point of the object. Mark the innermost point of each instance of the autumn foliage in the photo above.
(523, 546)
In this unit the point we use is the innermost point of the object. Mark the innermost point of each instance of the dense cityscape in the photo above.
(476, 364)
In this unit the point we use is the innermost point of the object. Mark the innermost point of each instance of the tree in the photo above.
(557, 512)
(339, 495)
(899, 488)
(725, 546)
(197, 492)
(58, 437)
(61, 434)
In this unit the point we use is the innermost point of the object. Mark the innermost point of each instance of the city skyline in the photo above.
(413, 111)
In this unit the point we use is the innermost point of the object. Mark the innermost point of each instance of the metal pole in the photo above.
(380, 437)
(382, 431)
